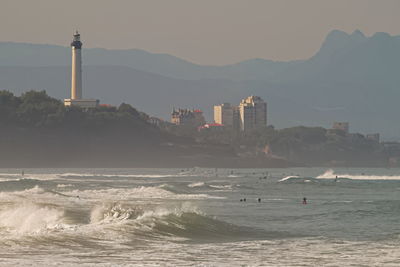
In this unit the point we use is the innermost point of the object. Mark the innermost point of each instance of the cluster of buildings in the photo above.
(188, 117)
(250, 114)
(345, 128)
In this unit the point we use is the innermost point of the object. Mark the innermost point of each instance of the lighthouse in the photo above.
(76, 77)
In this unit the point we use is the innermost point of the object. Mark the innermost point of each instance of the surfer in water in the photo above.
(304, 200)
(336, 179)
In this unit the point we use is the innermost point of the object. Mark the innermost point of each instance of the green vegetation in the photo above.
(309, 146)
(38, 130)
(38, 110)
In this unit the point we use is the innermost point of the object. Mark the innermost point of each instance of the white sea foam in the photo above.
(7, 196)
(330, 174)
(222, 187)
(288, 178)
(30, 218)
(4, 177)
(64, 185)
(64, 175)
(113, 212)
(37, 194)
(196, 184)
(141, 192)
(116, 212)
(32, 176)
(55, 176)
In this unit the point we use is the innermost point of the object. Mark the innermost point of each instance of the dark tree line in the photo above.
(303, 145)
(37, 110)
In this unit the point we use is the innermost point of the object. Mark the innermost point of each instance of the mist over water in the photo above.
(199, 216)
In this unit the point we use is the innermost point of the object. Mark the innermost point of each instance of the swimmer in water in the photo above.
(259, 200)
(304, 200)
(336, 179)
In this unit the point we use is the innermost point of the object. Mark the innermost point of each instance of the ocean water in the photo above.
(182, 217)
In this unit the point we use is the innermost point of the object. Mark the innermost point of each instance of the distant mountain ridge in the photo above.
(43, 55)
(351, 78)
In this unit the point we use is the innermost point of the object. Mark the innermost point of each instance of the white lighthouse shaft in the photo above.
(76, 79)
(76, 82)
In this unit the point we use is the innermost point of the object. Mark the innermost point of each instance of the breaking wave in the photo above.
(30, 218)
(288, 178)
(116, 220)
(219, 187)
(330, 174)
(185, 222)
(55, 176)
(196, 184)
(38, 193)
(65, 175)
(142, 192)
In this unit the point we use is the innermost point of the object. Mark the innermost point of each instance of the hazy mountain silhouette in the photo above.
(351, 78)
(21, 54)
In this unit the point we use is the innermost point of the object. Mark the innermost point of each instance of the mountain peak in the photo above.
(338, 40)
(339, 36)
(336, 34)
(381, 36)
(358, 34)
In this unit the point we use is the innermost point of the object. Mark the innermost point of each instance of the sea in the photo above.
(200, 217)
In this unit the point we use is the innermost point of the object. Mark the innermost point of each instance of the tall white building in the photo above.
(223, 114)
(76, 77)
(252, 113)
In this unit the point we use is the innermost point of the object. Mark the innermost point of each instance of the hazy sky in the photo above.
(202, 31)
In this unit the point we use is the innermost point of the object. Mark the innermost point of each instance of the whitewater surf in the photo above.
(171, 217)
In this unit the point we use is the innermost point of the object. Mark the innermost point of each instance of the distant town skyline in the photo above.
(204, 32)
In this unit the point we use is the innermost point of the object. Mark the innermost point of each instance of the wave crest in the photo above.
(114, 212)
(30, 218)
(330, 174)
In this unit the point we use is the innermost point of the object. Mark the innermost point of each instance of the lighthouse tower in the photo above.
(76, 77)
(76, 81)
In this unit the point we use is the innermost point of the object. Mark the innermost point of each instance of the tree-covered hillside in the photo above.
(37, 130)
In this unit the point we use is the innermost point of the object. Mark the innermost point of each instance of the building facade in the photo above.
(343, 126)
(252, 113)
(373, 137)
(187, 117)
(224, 114)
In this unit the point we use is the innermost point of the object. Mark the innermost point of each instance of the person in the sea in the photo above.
(304, 200)
(259, 200)
(336, 179)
